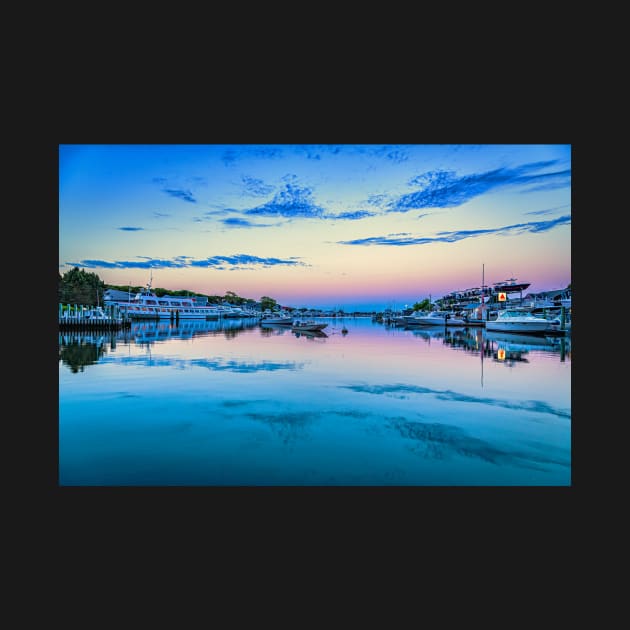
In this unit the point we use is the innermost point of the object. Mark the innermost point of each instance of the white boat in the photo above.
(513, 320)
(435, 318)
(307, 325)
(147, 305)
(281, 318)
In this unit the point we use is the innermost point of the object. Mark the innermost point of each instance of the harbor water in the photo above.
(234, 403)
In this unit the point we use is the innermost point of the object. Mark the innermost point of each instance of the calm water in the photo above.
(235, 404)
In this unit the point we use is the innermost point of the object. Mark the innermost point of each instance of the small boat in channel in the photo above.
(308, 325)
(282, 318)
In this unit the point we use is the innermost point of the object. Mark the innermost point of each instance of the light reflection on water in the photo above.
(234, 403)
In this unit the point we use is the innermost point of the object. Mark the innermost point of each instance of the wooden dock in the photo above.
(77, 317)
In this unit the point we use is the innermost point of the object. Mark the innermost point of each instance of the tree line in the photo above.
(78, 286)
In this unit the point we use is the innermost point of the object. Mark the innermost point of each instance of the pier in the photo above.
(80, 317)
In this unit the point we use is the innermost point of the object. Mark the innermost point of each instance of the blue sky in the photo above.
(353, 226)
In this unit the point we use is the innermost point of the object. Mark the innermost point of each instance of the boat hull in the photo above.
(518, 327)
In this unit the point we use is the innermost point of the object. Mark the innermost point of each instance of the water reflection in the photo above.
(150, 332)
(234, 403)
(270, 330)
(508, 347)
(76, 354)
(440, 441)
(310, 334)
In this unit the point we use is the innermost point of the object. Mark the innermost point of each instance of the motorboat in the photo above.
(435, 318)
(281, 318)
(518, 321)
(308, 325)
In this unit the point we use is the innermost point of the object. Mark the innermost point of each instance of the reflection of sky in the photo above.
(375, 406)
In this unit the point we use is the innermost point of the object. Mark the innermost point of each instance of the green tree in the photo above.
(268, 303)
(425, 305)
(232, 298)
(80, 287)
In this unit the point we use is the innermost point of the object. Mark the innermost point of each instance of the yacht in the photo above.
(435, 318)
(147, 305)
(519, 321)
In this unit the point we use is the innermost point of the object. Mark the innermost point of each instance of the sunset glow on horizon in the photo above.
(358, 227)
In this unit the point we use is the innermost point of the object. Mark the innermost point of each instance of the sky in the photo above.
(358, 227)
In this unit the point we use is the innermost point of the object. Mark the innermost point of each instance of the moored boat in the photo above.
(282, 318)
(435, 318)
(147, 305)
(308, 325)
(519, 321)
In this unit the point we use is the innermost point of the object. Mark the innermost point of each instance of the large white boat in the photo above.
(513, 320)
(435, 318)
(147, 305)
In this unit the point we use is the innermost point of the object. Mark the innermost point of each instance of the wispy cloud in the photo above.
(245, 261)
(353, 216)
(548, 210)
(178, 193)
(130, 229)
(291, 201)
(160, 215)
(378, 200)
(256, 187)
(244, 223)
(230, 156)
(452, 237)
(444, 189)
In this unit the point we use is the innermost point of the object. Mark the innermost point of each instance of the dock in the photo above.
(79, 317)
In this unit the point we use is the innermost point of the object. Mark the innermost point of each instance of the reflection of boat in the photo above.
(523, 342)
(427, 333)
(149, 332)
(308, 325)
(509, 356)
(513, 320)
(310, 334)
(435, 318)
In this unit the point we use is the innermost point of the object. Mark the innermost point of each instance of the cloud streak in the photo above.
(179, 193)
(444, 189)
(237, 261)
(256, 187)
(452, 237)
(130, 229)
(291, 201)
